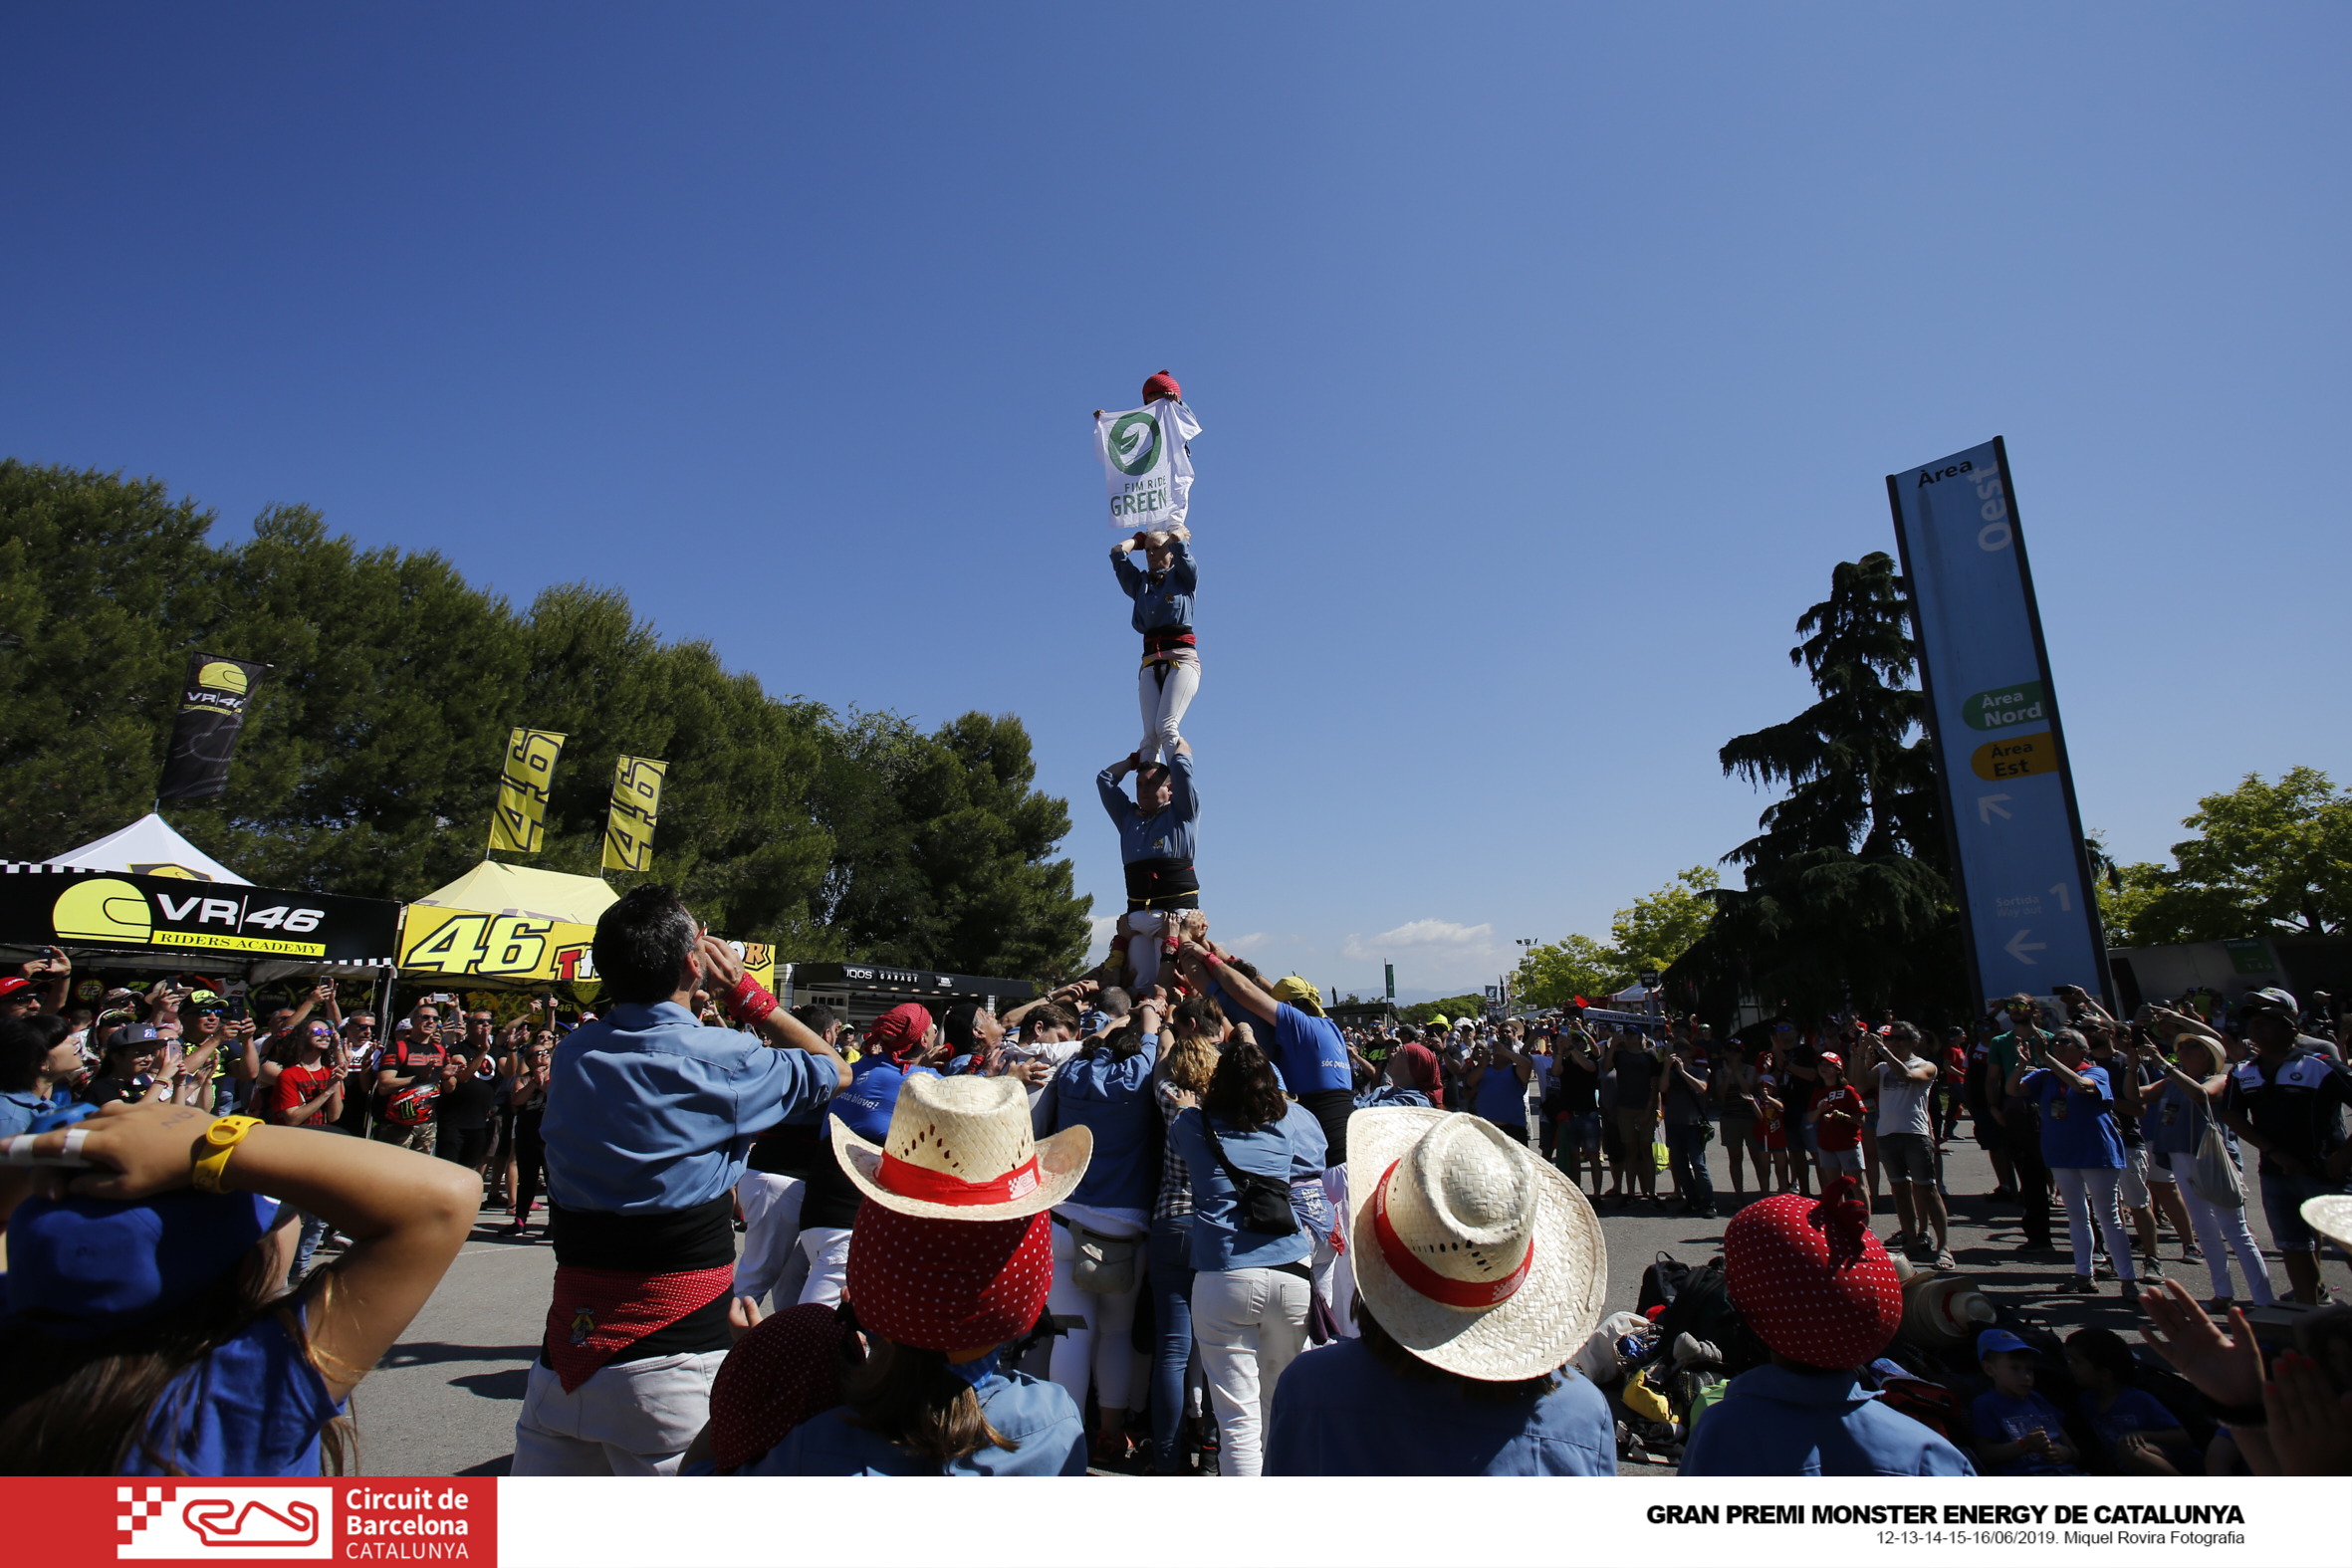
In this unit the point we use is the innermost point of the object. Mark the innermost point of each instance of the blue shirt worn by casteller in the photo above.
(866, 1105)
(1162, 599)
(1040, 1417)
(650, 1112)
(1290, 1151)
(1167, 834)
(1308, 1053)
(1774, 1422)
(1338, 1412)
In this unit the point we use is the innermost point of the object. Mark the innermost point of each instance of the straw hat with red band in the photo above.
(1474, 1254)
(960, 1149)
(1811, 1279)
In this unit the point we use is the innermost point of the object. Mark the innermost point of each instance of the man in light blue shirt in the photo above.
(649, 1126)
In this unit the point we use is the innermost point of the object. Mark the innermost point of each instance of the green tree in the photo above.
(1449, 1008)
(2267, 859)
(1660, 928)
(941, 850)
(1846, 899)
(371, 749)
(1554, 974)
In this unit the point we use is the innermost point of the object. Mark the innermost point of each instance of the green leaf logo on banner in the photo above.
(1136, 444)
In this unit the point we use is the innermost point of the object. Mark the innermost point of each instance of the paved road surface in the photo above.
(445, 1401)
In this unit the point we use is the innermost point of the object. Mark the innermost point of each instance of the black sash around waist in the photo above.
(1162, 884)
(675, 1243)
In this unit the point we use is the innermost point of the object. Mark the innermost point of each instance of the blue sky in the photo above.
(1548, 358)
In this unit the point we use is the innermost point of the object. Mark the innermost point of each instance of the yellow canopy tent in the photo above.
(505, 925)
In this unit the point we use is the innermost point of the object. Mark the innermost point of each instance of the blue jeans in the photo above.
(1168, 1258)
(1686, 1149)
(314, 1230)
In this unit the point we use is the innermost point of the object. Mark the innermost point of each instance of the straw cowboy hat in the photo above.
(2330, 1214)
(960, 1149)
(1475, 1255)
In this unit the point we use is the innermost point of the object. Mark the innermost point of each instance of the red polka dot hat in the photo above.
(1810, 1277)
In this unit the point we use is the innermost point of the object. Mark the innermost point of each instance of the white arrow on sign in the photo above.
(2017, 946)
(1988, 805)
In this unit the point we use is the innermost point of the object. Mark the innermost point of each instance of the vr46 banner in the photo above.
(1148, 463)
(83, 911)
(518, 823)
(636, 806)
(211, 710)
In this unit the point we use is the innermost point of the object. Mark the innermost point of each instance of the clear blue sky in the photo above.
(1549, 356)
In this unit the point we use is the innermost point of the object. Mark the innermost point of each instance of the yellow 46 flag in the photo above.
(518, 823)
(636, 806)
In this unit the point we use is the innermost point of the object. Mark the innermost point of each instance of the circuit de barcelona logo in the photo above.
(184, 1521)
(1136, 444)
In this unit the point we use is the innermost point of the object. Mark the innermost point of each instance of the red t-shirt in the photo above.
(1838, 1134)
(298, 1086)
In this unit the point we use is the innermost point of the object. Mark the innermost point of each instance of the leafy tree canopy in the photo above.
(1449, 1008)
(1649, 936)
(371, 751)
(2268, 858)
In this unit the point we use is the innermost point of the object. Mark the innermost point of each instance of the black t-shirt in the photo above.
(116, 1091)
(2299, 1109)
(465, 1104)
(1637, 1070)
(788, 1149)
(420, 1063)
(1576, 1091)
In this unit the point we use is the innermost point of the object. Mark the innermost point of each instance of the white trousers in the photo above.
(772, 1258)
(826, 1248)
(1250, 1323)
(635, 1419)
(1334, 1272)
(2220, 1231)
(1164, 704)
(1104, 1347)
(2089, 1196)
(1147, 934)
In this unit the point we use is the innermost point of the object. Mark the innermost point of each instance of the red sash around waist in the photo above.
(597, 1313)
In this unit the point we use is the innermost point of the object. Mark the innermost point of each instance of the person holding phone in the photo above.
(2081, 1146)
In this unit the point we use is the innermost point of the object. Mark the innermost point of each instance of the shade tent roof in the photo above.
(148, 848)
(494, 889)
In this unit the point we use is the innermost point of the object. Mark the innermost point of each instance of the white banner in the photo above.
(1147, 463)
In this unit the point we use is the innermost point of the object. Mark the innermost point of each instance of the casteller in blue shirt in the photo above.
(1773, 1421)
(1337, 1410)
(1040, 1417)
(650, 1112)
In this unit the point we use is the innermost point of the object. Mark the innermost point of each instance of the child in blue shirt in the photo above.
(2137, 1435)
(2019, 1433)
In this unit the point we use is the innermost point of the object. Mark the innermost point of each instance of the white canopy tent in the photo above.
(150, 846)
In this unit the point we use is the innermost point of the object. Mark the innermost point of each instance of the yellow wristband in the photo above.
(219, 1142)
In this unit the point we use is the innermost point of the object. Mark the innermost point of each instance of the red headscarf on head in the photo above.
(948, 1284)
(1162, 385)
(779, 1375)
(1811, 1279)
(1421, 1066)
(898, 1033)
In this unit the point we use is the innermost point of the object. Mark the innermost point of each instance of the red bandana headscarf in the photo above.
(898, 1033)
(1811, 1279)
(1162, 385)
(948, 1284)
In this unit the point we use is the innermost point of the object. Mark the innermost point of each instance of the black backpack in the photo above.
(1701, 1309)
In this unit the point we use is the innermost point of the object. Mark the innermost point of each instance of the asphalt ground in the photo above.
(444, 1401)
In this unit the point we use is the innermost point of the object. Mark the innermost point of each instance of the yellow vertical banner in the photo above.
(518, 823)
(636, 806)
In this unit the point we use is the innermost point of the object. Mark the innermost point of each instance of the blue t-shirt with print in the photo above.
(874, 1094)
(2077, 1125)
(1996, 1418)
(2172, 1125)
